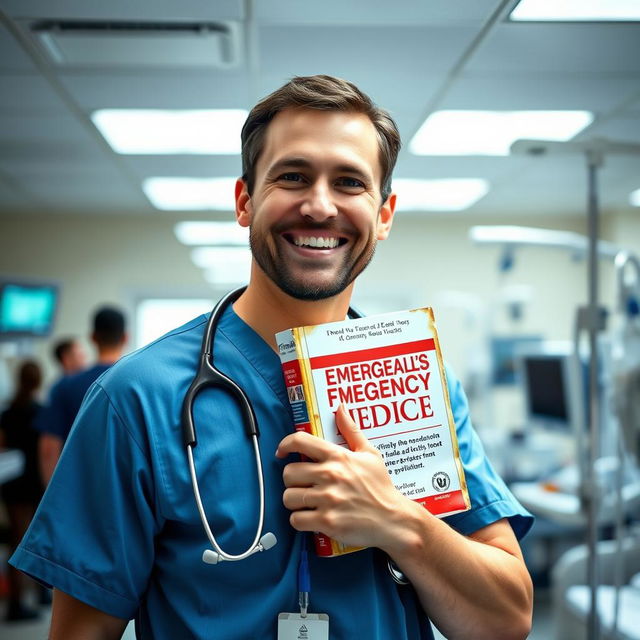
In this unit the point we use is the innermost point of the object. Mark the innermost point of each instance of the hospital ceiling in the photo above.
(414, 57)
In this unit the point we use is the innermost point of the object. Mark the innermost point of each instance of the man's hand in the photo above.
(346, 494)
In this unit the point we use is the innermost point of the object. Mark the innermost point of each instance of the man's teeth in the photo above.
(322, 243)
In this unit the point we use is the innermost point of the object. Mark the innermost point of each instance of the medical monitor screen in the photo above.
(546, 391)
(27, 310)
(504, 354)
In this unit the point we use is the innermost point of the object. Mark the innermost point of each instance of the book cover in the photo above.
(389, 373)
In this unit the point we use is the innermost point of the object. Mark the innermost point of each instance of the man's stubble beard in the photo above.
(275, 268)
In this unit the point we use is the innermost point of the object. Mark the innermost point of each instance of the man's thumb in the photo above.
(350, 430)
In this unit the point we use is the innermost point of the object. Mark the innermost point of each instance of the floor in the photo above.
(37, 630)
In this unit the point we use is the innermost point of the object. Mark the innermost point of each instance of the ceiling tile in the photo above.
(490, 168)
(11, 198)
(360, 12)
(563, 180)
(193, 166)
(12, 56)
(92, 193)
(28, 94)
(621, 129)
(186, 90)
(538, 90)
(634, 106)
(375, 51)
(560, 48)
(48, 128)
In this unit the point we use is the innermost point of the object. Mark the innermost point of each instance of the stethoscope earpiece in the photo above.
(267, 541)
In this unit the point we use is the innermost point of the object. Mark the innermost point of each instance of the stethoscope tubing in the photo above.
(208, 376)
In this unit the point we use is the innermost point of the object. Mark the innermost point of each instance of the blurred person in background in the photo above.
(22, 494)
(109, 337)
(70, 355)
(71, 358)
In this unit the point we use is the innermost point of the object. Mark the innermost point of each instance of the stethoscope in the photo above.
(207, 376)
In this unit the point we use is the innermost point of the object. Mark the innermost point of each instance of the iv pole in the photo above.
(594, 152)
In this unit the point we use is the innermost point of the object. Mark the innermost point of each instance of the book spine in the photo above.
(293, 380)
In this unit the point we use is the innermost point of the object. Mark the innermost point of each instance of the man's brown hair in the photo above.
(324, 93)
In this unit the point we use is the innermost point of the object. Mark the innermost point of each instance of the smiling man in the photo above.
(314, 205)
(316, 194)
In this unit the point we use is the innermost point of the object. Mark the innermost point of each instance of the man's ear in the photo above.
(385, 217)
(244, 211)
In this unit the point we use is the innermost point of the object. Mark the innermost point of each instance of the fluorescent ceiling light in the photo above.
(223, 265)
(214, 257)
(491, 133)
(577, 10)
(191, 194)
(211, 233)
(160, 131)
(634, 198)
(450, 194)
(518, 236)
(226, 275)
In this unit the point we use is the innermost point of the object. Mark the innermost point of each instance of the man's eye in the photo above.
(291, 177)
(350, 183)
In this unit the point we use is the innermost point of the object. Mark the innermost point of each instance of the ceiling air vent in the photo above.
(136, 44)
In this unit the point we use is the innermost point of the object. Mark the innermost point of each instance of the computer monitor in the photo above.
(27, 309)
(553, 385)
(504, 354)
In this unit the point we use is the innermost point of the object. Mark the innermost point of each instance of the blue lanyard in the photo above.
(304, 578)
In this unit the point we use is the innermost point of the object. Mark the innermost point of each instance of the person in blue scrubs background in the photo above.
(118, 534)
(109, 337)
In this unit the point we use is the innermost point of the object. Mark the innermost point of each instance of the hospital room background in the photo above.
(517, 228)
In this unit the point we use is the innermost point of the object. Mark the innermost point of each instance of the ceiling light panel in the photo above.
(577, 10)
(223, 265)
(203, 232)
(214, 257)
(491, 133)
(191, 194)
(160, 131)
(450, 194)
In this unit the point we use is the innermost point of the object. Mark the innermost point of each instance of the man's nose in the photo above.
(318, 203)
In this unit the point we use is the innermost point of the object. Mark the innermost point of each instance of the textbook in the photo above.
(389, 373)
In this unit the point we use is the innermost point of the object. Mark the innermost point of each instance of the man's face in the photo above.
(316, 214)
(74, 359)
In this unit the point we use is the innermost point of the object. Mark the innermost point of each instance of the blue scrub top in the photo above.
(118, 527)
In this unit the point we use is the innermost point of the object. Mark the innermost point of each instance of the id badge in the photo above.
(292, 626)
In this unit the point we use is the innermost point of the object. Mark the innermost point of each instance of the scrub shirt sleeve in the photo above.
(93, 534)
(491, 500)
